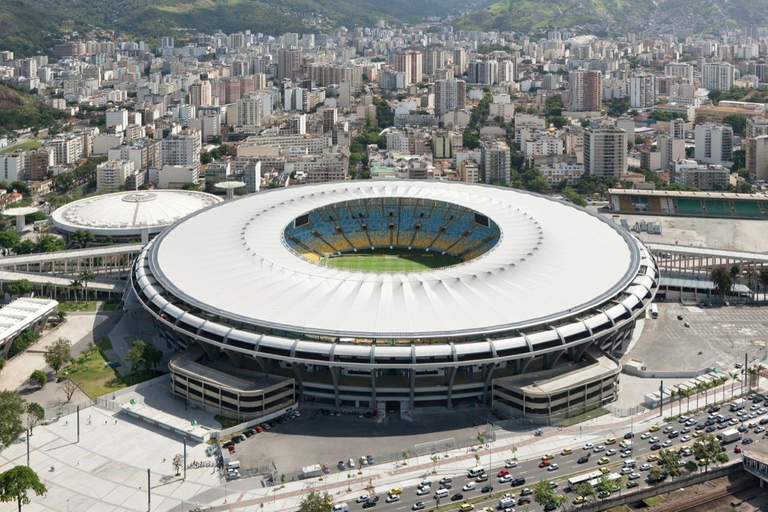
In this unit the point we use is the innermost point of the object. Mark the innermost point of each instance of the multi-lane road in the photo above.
(568, 467)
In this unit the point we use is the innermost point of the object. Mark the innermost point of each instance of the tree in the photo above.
(691, 466)
(85, 277)
(39, 377)
(69, 387)
(49, 243)
(9, 239)
(12, 407)
(722, 279)
(605, 484)
(544, 495)
(737, 121)
(16, 482)
(82, 237)
(19, 287)
(669, 460)
(22, 341)
(721, 458)
(35, 414)
(316, 502)
(655, 474)
(584, 489)
(177, 462)
(58, 354)
(142, 354)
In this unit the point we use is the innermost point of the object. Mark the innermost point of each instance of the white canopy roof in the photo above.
(553, 260)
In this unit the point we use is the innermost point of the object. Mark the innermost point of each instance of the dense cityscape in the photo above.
(468, 257)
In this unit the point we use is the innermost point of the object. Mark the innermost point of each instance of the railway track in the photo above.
(698, 501)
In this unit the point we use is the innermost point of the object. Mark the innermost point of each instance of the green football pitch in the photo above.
(393, 260)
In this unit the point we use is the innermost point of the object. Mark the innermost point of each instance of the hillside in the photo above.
(24, 23)
(614, 15)
(20, 110)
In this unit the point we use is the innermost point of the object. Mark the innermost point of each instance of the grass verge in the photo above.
(96, 379)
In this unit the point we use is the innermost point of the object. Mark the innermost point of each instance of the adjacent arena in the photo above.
(534, 300)
(123, 216)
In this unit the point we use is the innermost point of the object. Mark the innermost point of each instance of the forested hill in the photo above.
(26, 26)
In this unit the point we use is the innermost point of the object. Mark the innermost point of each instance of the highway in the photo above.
(568, 467)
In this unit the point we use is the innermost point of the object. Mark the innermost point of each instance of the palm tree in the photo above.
(699, 388)
(75, 285)
(723, 280)
(734, 376)
(85, 277)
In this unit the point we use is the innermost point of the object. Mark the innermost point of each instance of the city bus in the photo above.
(586, 477)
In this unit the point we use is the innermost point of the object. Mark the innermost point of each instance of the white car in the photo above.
(645, 467)
(350, 463)
(588, 446)
(646, 435)
(421, 491)
(626, 471)
(685, 439)
(425, 483)
(505, 479)
(553, 467)
(363, 461)
(363, 498)
(666, 443)
(510, 464)
(599, 448)
(610, 452)
(634, 476)
(392, 498)
(654, 439)
(469, 486)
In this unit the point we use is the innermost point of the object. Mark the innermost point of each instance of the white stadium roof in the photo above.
(553, 260)
(130, 213)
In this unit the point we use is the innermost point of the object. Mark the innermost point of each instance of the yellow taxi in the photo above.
(467, 507)
(488, 509)
(395, 490)
(566, 451)
(605, 471)
(578, 500)
(654, 428)
(610, 440)
(653, 457)
(697, 433)
(603, 460)
(548, 456)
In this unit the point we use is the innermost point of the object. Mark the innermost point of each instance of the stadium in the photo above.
(126, 216)
(488, 296)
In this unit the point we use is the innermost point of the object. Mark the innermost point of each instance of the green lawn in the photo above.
(26, 145)
(391, 260)
(95, 379)
(91, 305)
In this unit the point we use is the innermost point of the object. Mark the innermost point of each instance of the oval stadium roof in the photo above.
(553, 260)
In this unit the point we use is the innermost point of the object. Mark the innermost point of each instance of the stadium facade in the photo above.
(532, 319)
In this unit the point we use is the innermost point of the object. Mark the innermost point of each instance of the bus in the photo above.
(586, 477)
(654, 311)
(612, 477)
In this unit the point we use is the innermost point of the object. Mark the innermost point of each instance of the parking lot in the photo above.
(317, 439)
(717, 337)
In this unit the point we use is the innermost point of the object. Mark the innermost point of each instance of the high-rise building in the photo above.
(642, 91)
(757, 157)
(757, 126)
(459, 61)
(714, 143)
(671, 149)
(200, 94)
(605, 152)
(330, 117)
(450, 95)
(410, 63)
(718, 76)
(11, 166)
(111, 175)
(252, 176)
(181, 150)
(677, 128)
(39, 161)
(497, 162)
(288, 63)
(586, 90)
(680, 70)
(249, 110)
(483, 72)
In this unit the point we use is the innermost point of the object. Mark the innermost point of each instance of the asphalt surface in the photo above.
(568, 467)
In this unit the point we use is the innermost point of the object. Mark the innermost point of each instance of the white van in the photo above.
(233, 465)
(441, 493)
(476, 471)
(506, 503)
(630, 463)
